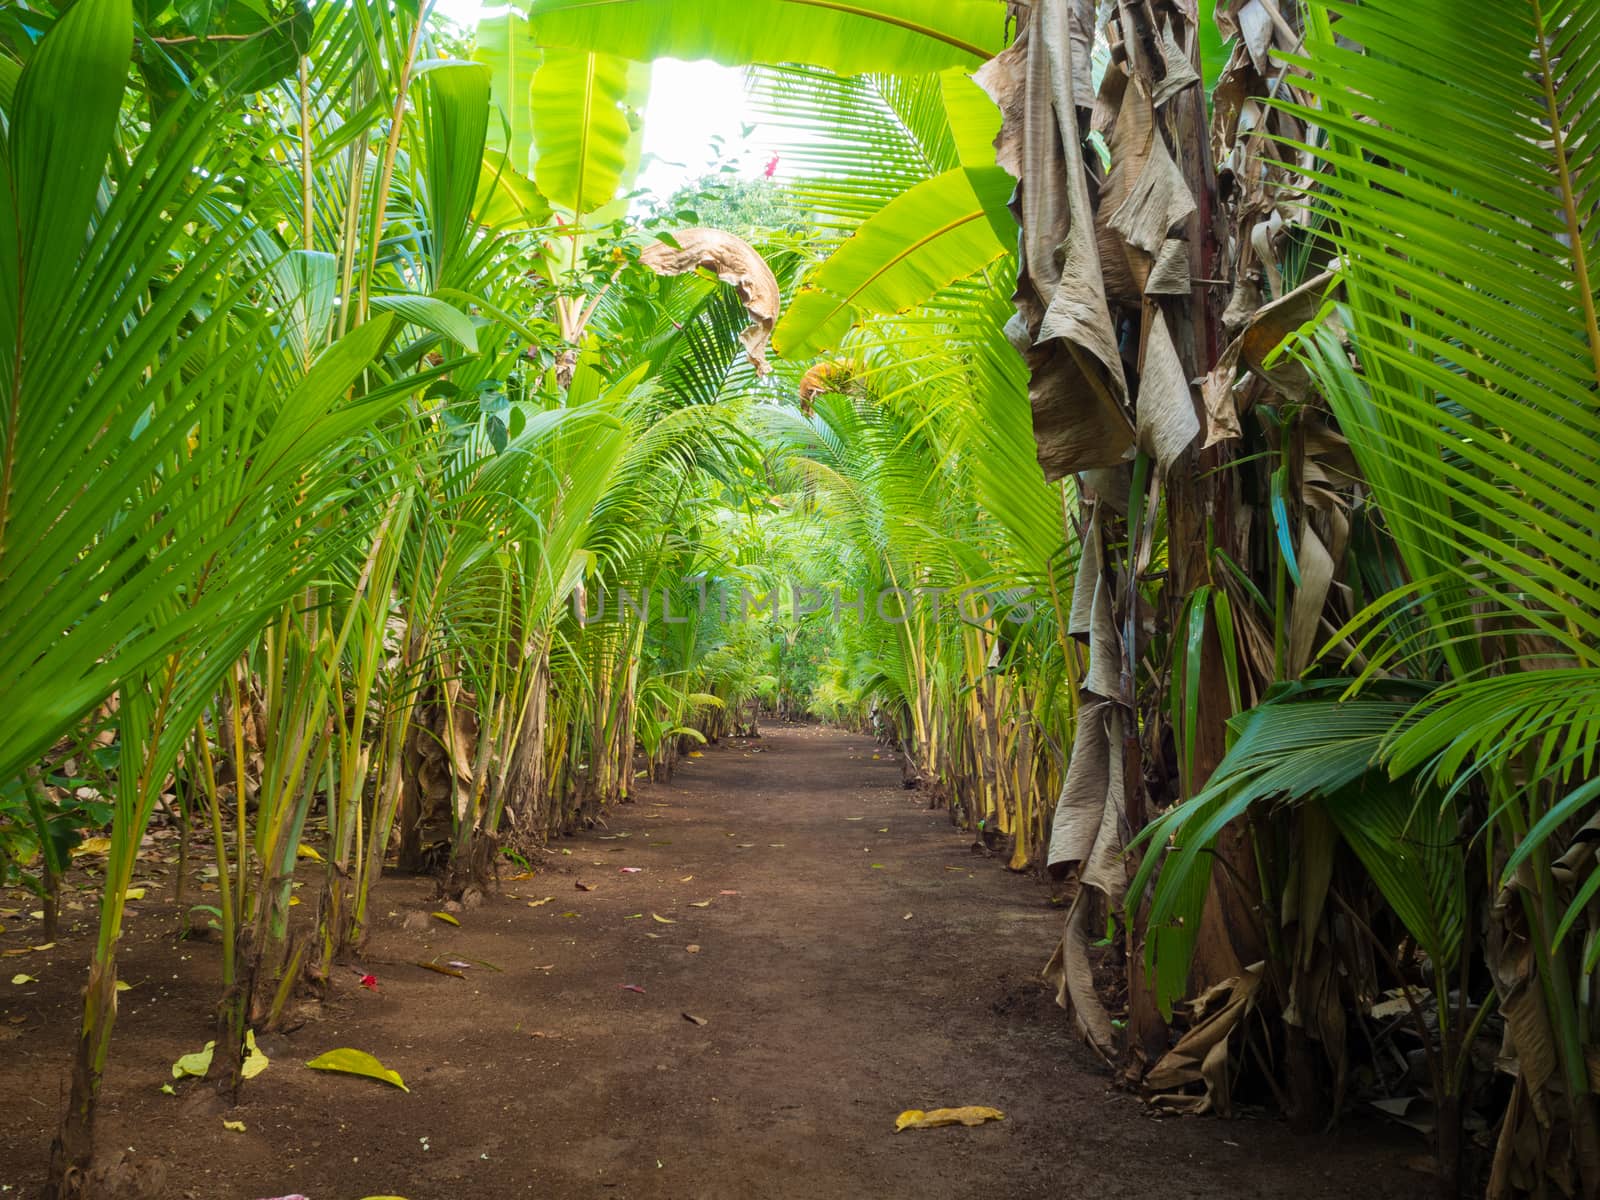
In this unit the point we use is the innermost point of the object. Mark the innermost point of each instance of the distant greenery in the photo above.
(748, 206)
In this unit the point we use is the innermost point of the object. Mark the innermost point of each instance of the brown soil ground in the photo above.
(866, 962)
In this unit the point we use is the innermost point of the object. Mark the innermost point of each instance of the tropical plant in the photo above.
(1471, 416)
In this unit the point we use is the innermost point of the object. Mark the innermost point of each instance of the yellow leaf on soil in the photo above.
(663, 920)
(700, 904)
(310, 852)
(133, 894)
(255, 1062)
(972, 1114)
(356, 1062)
(446, 918)
(196, 1064)
(234, 1126)
(19, 980)
(686, 879)
(537, 903)
(94, 845)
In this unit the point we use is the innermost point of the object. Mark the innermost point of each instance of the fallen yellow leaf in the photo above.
(537, 903)
(234, 1126)
(133, 894)
(310, 852)
(19, 980)
(686, 879)
(446, 918)
(357, 1062)
(700, 904)
(972, 1114)
(663, 920)
(254, 1062)
(196, 1064)
(94, 845)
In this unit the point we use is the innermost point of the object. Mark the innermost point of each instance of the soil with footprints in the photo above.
(843, 952)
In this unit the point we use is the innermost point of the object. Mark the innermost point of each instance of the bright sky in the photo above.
(690, 105)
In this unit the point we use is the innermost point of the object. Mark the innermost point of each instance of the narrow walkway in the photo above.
(855, 959)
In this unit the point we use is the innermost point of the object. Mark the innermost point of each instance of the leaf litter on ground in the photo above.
(347, 1061)
(971, 1114)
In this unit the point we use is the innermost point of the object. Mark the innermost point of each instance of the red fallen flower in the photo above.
(632, 987)
(370, 982)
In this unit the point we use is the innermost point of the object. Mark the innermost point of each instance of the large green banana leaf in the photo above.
(906, 36)
(973, 118)
(507, 197)
(942, 230)
(506, 46)
(583, 119)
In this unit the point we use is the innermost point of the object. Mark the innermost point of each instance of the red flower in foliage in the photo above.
(772, 167)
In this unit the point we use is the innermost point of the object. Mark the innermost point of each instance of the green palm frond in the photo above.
(1464, 182)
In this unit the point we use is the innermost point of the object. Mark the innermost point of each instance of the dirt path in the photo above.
(866, 962)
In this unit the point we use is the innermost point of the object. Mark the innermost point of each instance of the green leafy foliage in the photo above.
(876, 35)
(583, 109)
